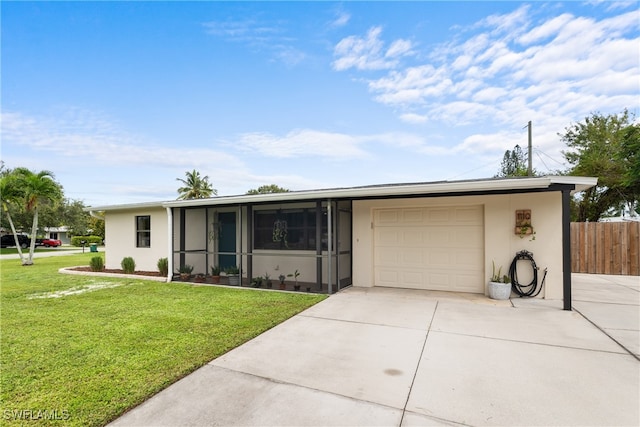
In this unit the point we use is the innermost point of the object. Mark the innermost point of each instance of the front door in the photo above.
(227, 240)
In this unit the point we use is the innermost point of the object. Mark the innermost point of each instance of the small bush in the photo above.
(77, 240)
(128, 265)
(96, 263)
(163, 266)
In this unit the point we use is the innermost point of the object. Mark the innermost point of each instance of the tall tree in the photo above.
(11, 193)
(597, 148)
(38, 189)
(514, 163)
(266, 189)
(630, 156)
(195, 187)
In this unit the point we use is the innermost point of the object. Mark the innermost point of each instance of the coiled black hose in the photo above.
(530, 290)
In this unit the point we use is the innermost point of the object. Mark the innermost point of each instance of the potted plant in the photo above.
(215, 274)
(282, 284)
(233, 273)
(185, 272)
(295, 275)
(499, 285)
(256, 282)
(267, 281)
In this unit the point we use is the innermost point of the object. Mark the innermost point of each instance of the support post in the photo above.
(329, 248)
(319, 245)
(183, 231)
(170, 243)
(249, 242)
(530, 163)
(566, 250)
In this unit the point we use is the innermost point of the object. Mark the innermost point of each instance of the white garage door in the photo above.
(435, 248)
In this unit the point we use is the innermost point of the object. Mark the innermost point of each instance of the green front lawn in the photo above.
(87, 357)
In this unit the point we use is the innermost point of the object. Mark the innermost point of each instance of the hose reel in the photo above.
(531, 289)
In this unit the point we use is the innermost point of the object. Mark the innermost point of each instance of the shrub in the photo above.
(163, 266)
(128, 265)
(77, 240)
(96, 263)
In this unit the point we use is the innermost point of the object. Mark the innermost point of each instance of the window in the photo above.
(143, 231)
(293, 229)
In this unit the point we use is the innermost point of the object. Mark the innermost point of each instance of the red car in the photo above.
(48, 243)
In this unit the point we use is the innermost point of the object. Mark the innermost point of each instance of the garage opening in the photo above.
(434, 248)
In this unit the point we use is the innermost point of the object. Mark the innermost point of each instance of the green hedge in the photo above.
(77, 240)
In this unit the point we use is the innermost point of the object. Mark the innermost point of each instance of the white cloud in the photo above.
(546, 30)
(414, 118)
(510, 68)
(399, 48)
(368, 53)
(302, 143)
(341, 20)
(270, 37)
(83, 135)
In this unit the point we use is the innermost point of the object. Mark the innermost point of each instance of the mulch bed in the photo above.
(119, 271)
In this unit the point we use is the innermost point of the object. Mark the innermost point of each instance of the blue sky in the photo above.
(119, 99)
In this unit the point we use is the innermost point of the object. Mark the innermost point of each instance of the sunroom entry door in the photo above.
(434, 248)
(227, 240)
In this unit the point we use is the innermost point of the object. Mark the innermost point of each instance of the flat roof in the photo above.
(523, 184)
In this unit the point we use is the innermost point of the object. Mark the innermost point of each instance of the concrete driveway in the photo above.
(389, 357)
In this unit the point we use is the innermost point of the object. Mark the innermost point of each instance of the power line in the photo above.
(542, 152)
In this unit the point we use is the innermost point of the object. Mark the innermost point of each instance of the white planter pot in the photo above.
(234, 280)
(500, 291)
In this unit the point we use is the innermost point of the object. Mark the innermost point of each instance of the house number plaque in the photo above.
(523, 222)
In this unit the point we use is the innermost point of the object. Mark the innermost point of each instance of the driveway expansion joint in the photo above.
(415, 373)
(276, 381)
(605, 332)
(536, 343)
(358, 322)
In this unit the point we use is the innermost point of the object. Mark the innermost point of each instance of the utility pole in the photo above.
(530, 165)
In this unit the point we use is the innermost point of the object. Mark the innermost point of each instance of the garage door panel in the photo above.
(439, 259)
(469, 215)
(469, 237)
(468, 283)
(412, 216)
(387, 217)
(438, 215)
(466, 259)
(437, 248)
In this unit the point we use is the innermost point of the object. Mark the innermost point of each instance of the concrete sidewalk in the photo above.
(407, 358)
(49, 253)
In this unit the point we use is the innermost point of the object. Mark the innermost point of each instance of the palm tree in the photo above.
(38, 189)
(195, 187)
(11, 193)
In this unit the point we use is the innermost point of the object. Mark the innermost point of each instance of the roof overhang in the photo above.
(452, 188)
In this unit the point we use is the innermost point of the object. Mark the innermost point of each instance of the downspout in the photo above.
(170, 243)
(566, 250)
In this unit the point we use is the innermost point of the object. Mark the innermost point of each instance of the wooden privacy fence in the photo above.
(605, 248)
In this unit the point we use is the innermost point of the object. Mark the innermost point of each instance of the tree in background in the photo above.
(630, 155)
(195, 187)
(96, 227)
(267, 189)
(514, 163)
(605, 147)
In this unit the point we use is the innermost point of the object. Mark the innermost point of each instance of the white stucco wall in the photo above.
(501, 243)
(120, 238)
